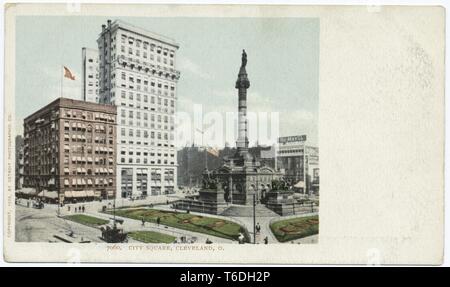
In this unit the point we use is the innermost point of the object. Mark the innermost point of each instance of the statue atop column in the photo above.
(242, 81)
(244, 59)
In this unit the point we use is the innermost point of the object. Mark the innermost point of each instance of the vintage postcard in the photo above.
(224, 134)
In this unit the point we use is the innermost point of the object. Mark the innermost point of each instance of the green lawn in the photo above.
(151, 237)
(86, 220)
(294, 228)
(203, 224)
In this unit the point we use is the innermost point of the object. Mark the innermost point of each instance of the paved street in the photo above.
(41, 225)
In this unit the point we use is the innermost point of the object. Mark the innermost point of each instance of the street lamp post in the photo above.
(254, 218)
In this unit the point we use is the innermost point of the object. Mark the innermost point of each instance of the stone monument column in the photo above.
(242, 84)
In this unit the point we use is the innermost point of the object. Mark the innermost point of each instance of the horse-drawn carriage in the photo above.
(38, 204)
(113, 234)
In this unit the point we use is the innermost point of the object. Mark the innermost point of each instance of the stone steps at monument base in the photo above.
(247, 211)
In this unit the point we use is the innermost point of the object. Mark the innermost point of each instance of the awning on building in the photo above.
(48, 194)
(28, 190)
(90, 193)
(79, 193)
(300, 184)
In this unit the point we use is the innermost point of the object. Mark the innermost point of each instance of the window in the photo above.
(122, 132)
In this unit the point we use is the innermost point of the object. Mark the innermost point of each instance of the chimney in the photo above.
(109, 23)
(103, 27)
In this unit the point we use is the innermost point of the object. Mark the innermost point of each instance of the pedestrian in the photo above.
(258, 228)
(76, 209)
(83, 208)
(158, 220)
(266, 240)
(241, 238)
(68, 208)
(143, 221)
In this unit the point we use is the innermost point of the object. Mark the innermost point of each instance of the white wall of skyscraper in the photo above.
(90, 75)
(137, 74)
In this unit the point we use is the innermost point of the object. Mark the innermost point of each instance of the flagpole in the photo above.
(61, 90)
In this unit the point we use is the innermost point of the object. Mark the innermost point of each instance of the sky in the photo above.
(283, 67)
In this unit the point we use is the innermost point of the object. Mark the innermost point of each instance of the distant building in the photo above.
(89, 75)
(137, 71)
(192, 162)
(70, 150)
(300, 162)
(19, 162)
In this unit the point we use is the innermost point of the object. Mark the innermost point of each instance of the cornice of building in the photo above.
(120, 24)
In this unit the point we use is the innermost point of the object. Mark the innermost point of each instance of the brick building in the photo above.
(70, 150)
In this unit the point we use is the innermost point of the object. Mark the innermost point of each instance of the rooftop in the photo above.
(119, 24)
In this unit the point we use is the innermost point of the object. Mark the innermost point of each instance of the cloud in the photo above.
(186, 64)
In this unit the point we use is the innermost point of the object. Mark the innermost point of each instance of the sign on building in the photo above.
(291, 139)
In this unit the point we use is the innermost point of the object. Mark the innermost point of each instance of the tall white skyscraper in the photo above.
(89, 75)
(137, 70)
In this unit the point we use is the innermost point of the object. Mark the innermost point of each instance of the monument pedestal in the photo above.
(283, 202)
